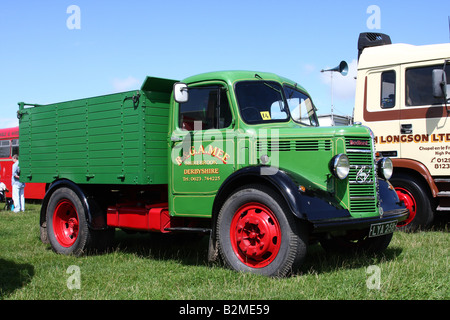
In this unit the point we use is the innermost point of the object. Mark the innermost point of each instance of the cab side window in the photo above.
(419, 87)
(388, 89)
(207, 108)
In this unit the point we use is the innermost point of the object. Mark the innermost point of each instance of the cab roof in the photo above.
(394, 54)
(232, 76)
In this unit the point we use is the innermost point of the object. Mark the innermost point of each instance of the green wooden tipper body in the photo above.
(113, 139)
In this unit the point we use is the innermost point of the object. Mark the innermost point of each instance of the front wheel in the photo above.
(416, 200)
(257, 233)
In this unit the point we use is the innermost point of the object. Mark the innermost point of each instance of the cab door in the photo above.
(202, 149)
(426, 118)
(382, 109)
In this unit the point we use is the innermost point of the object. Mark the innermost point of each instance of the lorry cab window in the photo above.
(388, 89)
(261, 102)
(301, 107)
(419, 91)
(207, 108)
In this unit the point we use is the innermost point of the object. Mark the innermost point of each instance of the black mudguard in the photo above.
(95, 219)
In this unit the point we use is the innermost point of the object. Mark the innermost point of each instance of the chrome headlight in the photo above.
(385, 168)
(340, 166)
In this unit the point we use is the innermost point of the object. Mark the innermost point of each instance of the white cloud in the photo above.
(344, 87)
(126, 84)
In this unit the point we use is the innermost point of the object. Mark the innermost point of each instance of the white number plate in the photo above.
(379, 229)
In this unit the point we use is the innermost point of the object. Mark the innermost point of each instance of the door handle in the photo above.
(406, 128)
(176, 139)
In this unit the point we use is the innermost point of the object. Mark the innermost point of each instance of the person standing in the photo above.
(17, 186)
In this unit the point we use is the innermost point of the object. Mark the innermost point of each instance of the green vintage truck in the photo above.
(237, 155)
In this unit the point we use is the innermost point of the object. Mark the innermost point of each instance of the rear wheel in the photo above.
(257, 233)
(416, 200)
(67, 229)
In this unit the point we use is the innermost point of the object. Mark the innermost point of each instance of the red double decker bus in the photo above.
(9, 145)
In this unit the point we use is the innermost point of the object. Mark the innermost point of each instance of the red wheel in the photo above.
(67, 226)
(65, 223)
(417, 198)
(67, 229)
(410, 203)
(255, 235)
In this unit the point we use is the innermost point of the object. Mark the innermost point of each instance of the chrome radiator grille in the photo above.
(362, 176)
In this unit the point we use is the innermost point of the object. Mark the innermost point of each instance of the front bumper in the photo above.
(344, 224)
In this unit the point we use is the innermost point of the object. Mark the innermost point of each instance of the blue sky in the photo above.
(119, 43)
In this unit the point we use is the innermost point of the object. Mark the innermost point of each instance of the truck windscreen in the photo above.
(261, 102)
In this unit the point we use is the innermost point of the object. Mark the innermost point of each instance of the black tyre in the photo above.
(257, 233)
(416, 198)
(67, 229)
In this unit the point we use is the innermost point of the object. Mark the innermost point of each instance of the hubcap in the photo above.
(65, 223)
(408, 199)
(255, 235)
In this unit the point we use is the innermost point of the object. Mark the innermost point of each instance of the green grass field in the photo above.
(145, 266)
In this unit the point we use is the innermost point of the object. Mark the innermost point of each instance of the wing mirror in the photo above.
(439, 83)
(180, 92)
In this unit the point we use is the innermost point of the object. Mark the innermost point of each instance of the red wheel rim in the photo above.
(255, 235)
(406, 196)
(65, 223)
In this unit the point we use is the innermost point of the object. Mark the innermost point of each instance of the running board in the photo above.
(187, 229)
(153, 218)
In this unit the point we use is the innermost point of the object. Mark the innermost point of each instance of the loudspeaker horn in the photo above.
(342, 68)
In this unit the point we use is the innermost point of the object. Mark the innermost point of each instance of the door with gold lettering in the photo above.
(203, 149)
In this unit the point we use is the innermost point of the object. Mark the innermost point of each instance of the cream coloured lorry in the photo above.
(402, 95)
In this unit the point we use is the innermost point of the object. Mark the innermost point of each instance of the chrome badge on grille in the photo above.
(363, 176)
(358, 143)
